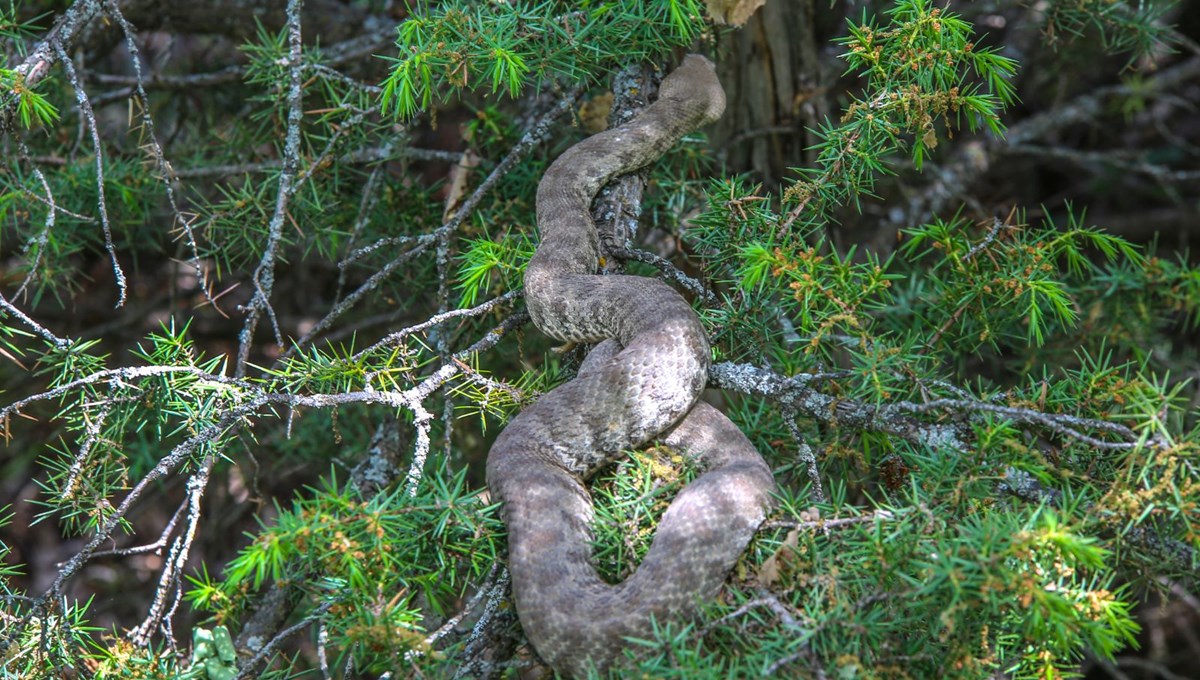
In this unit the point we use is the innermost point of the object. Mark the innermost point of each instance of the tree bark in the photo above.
(773, 80)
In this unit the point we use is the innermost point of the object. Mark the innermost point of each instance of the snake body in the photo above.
(643, 382)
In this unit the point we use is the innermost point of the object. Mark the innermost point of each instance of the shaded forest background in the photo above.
(189, 103)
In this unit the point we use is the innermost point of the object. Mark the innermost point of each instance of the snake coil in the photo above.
(643, 382)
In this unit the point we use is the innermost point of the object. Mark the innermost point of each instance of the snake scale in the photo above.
(641, 383)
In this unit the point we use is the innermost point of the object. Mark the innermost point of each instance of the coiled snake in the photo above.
(642, 383)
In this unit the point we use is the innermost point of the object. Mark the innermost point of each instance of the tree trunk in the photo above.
(773, 79)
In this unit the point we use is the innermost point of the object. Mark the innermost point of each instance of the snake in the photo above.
(641, 383)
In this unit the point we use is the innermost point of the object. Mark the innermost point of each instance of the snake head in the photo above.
(696, 80)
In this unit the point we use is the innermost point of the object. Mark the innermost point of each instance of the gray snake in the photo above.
(641, 383)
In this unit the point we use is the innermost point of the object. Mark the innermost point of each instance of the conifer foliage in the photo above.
(259, 322)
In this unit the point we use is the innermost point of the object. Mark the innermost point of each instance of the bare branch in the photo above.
(89, 119)
(164, 168)
(250, 667)
(36, 327)
(264, 275)
(169, 582)
(394, 338)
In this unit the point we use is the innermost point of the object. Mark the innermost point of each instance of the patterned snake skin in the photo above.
(642, 383)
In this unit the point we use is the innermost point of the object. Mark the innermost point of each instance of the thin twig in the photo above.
(118, 376)
(160, 160)
(36, 327)
(1060, 423)
(475, 666)
(89, 120)
(250, 668)
(169, 582)
(987, 240)
(823, 525)
(807, 457)
(669, 270)
(394, 338)
(453, 621)
(264, 274)
(38, 242)
(365, 207)
(155, 547)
